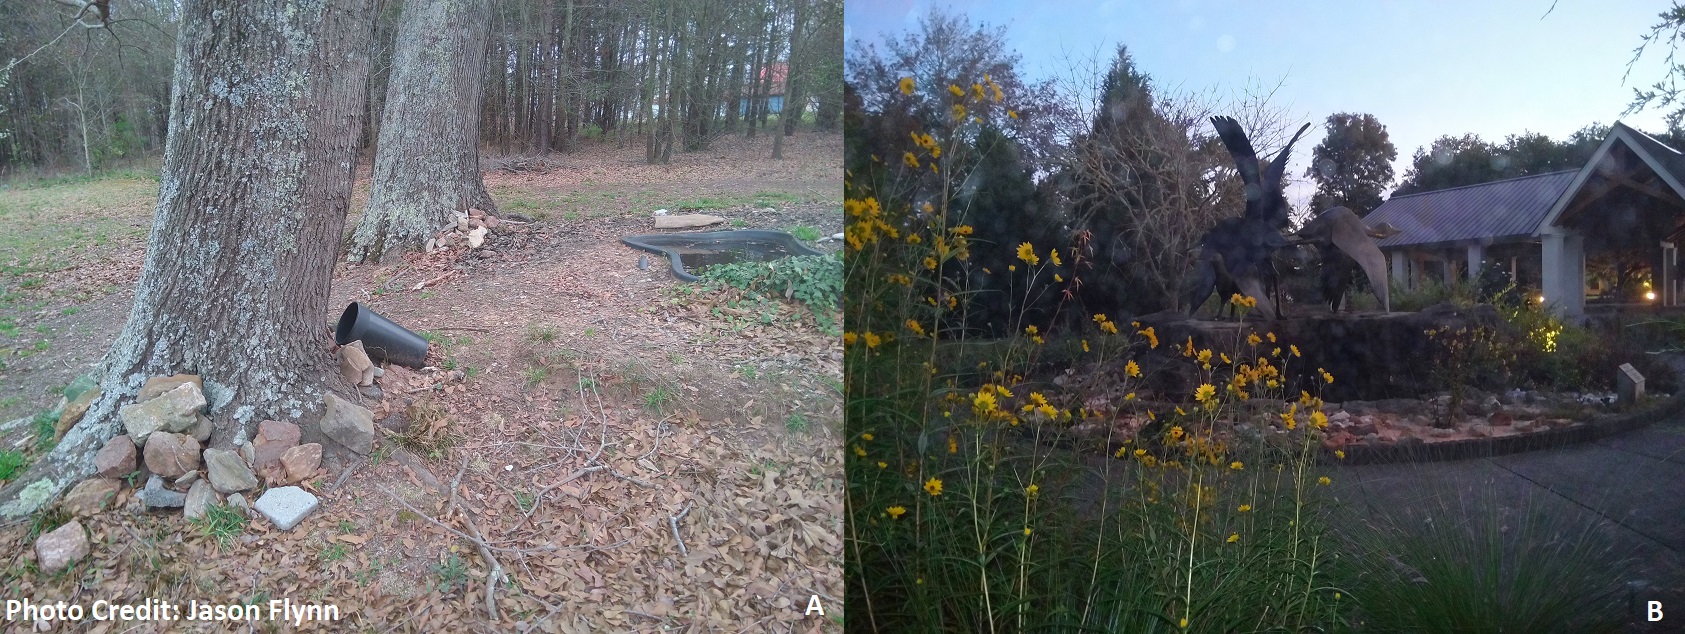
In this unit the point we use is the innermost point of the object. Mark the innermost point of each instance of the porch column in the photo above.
(1400, 268)
(1476, 256)
(1564, 270)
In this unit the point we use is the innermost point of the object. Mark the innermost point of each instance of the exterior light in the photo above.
(1650, 296)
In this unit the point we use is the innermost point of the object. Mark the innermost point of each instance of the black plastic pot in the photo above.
(382, 339)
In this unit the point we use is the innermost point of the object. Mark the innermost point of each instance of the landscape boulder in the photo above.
(199, 498)
(74, 410)
(174, 411)
(273, 439)
(158, 385)
(227, 472)
(65, 545)
(355, 365)
(116, 459)
(155, 496)
(300, 462)
(172, 455)
(348, 424)
(90, 496)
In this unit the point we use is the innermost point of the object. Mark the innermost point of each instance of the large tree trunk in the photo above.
(265, 119)
(428, 165)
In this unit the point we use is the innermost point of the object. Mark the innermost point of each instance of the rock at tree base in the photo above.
(90, 496)
(172, 455)
(74, 410)
(202, 430)
(686, 221)
(238, 503)
(117, 459)
(158, 385)
(348, 424)
(300, 462)
(227, 472)
(273, 439)
(186, 480)
(155, 496)
(63, 546)
(355, 365)
(174, 411)
(285, 507)
(199, 498)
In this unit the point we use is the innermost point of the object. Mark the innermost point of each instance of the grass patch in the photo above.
(43, 424)
(658, 399)
(535, 376)
(796, 423)
(805, 233)
(335, 552)
(1487, 565)
(47, 520)
(542, 333)
(11, 464)
(222, 522)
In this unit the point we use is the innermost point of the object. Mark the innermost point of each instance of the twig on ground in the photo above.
(496, 575)
(539, 499)
(426, 283)
(345, 475)
(673, 521)
(463, 328)
(411, 617)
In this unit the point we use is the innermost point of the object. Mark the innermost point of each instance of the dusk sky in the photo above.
(1424, 69)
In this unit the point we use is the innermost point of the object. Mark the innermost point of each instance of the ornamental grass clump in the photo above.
(973, 505)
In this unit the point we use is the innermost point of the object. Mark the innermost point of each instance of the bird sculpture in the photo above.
(1236, 253)
(1341, 239)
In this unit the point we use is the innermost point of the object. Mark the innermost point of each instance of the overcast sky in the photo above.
(1424, 69)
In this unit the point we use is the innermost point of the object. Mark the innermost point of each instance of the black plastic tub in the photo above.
(382, 339)
(690, 251)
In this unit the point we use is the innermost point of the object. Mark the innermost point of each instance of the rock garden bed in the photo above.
(1392, 430)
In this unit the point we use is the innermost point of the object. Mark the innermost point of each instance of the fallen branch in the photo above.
(539, 499)
(673, 521)
(426, 283)
(496, 575)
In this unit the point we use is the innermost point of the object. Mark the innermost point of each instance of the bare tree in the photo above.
(1148, 178)
(251, 204)
(427, 167)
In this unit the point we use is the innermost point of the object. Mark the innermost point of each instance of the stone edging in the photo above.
(1490, 447)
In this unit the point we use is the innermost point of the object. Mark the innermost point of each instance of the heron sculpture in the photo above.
(1342, 240)
(1236, 253)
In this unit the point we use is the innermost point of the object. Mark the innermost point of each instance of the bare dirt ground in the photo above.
(639, 456)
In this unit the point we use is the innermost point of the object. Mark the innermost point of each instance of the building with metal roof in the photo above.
(1625, 208)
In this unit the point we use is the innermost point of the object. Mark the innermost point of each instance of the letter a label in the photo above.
(813, 607)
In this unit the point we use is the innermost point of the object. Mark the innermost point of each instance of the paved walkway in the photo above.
(1627, 490)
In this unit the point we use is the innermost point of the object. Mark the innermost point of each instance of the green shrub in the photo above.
(816, 281)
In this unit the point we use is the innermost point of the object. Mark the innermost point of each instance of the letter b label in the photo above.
(1654, 613)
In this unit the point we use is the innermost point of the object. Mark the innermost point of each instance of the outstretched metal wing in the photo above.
(1245, 158)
